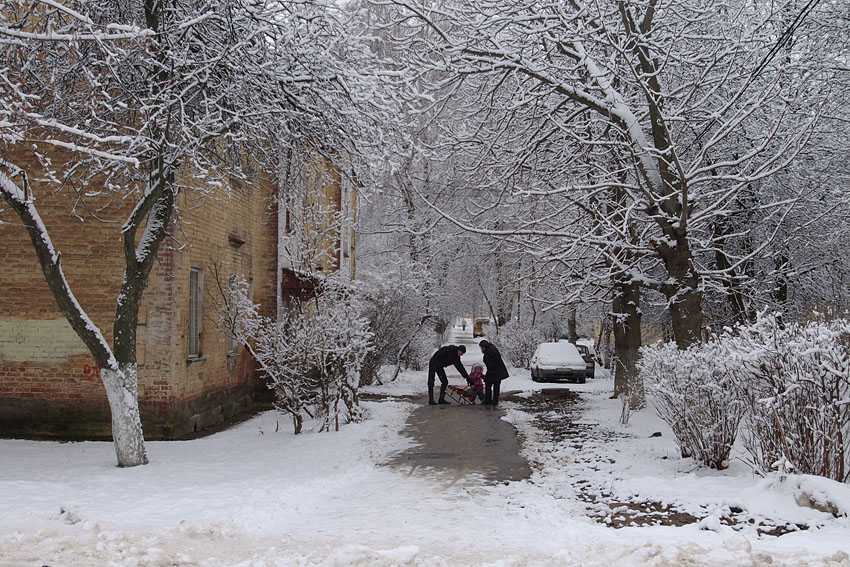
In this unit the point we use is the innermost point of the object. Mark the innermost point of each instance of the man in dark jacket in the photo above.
(496, 372)
(445, 356)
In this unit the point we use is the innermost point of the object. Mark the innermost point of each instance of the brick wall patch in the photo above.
(42, 341)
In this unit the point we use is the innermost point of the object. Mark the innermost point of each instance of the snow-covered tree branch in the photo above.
(136, 105)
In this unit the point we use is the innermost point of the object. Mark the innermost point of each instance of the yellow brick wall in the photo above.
(45, 370)
(320, 190)
(213, 229)
(23, 340)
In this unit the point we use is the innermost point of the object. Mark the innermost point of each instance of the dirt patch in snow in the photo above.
(558, 416)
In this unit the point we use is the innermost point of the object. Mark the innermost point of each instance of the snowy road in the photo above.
(254, 496)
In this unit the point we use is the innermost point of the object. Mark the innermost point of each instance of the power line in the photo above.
(780, 43)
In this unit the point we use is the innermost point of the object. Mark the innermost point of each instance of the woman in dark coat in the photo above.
(496, 372)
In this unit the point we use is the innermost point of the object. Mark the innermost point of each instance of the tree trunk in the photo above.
(626, 315)
(686, 317)
(122, 392)
(780, 288)
(504, 292)
(440, 329)
(572, 335)
(118, 368)
(684, 295)
(490, 307)
(735, 296)
(605, 340)
(121, 383)
(672, 210)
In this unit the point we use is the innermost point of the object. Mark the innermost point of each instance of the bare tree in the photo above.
(689, 98)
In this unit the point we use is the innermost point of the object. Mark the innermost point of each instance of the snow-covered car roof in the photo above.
(558, 354)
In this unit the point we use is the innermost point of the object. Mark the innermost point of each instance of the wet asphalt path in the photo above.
(467, 440)
(463, 440)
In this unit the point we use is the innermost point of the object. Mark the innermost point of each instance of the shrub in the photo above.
(790, 383)
(519, 342)
(694, 395)
(389, 314)
(313, 359)
(402, 335)
(797, 390)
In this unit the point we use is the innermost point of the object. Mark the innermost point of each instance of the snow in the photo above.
(258, 496)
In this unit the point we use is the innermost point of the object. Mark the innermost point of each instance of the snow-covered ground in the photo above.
(258, 496)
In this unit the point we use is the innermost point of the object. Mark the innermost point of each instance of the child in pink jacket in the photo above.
(476, 383)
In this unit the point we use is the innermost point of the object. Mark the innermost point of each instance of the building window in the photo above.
(195, 312)
(290, 306)
(667, 333)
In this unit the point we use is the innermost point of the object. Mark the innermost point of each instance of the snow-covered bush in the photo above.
(790, 382)
(694, 395)
(518, 342)
(313, 358)
(797, 387)
(392, 312)
(420, 348)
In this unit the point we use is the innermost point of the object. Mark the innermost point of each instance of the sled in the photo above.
(463, 395)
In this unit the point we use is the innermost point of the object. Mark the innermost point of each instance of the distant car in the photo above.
(555, 362)
(589, 359)
(478, 326)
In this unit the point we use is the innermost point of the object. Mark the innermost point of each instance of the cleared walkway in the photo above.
(464, 441)
(467, 440)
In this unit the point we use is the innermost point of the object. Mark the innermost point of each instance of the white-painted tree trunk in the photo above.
(122, 387)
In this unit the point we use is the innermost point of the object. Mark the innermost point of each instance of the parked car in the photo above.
(589, 359)
(478, 326)
(555, 362)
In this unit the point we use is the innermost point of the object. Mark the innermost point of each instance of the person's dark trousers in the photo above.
(444, 382)
(491, 391)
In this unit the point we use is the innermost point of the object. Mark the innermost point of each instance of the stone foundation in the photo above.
(68, 421)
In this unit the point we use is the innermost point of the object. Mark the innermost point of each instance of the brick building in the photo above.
(190, 374)
(316, 227)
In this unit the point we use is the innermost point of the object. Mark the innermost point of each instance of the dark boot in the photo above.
(497, 385)
(443, 399)
(431, 397)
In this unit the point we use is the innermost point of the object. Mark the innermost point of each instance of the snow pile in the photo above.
(821, 494)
